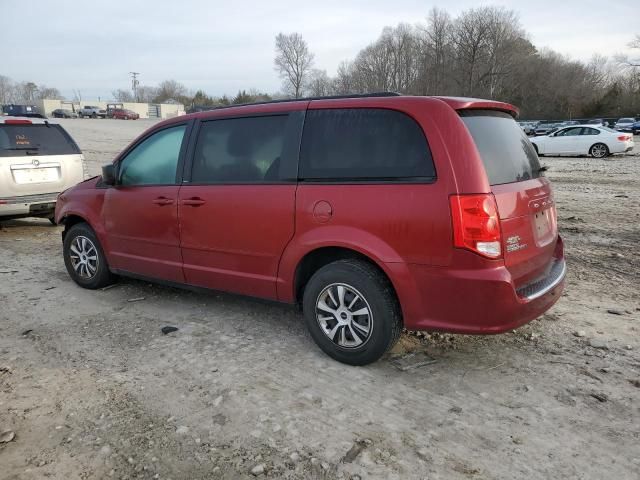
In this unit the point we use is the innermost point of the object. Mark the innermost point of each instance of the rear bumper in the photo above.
(476, 301)
(28, 205)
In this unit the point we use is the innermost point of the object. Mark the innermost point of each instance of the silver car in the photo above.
(38, 160)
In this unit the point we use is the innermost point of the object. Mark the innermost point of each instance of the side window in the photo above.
(572, 132)
(240, 150)
(155, 160)
(363, 144)
(590, 131)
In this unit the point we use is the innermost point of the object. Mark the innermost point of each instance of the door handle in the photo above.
(193, 202)
(162, 201)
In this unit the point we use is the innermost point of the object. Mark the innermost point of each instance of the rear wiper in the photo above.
(23, 148)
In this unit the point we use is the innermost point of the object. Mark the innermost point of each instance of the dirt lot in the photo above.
(93, 389)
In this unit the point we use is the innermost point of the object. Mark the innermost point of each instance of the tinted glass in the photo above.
(506, 152)
(240, 150)
(569, 132)
(590, 131)
(23, 140)
(155, 160)
(363, 144)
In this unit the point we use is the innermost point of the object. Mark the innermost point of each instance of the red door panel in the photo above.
(232, 236)
(141, 225)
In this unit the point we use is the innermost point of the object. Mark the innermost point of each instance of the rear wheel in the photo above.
(352, 312)
(84, 258)
(599, 150)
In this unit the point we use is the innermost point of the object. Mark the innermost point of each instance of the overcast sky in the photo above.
(223, 46)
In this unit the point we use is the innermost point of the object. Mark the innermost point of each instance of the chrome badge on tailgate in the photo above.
(513, 244)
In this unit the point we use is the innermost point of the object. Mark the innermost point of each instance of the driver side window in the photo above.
(154, 161)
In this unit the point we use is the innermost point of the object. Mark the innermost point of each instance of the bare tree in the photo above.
(319, 83)
(6, 90)
(146, 94)
(121, 95)
(49, 93)
(293, 62)
(170, 90)
(435, 53)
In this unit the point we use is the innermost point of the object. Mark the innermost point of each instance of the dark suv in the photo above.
(373, 213)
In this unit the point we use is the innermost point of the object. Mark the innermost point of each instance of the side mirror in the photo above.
(109, 174)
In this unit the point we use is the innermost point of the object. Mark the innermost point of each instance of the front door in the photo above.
(566, 141)
(237, 211)
(141, 210)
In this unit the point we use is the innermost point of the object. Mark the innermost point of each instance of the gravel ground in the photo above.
(92, 389)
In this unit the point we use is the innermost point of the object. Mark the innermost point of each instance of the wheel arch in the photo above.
(599, 143)
(317, 258)
(71, 219)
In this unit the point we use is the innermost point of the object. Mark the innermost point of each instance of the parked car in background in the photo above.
(528, 127)
(595, 121)
(624, 124)
(544, 128)
(298, 201)
(92, 112)
(593, 140)
(63, 113)
(124, 114)
(635, 128)
(30, 111)
(38, 160)
(113, 106)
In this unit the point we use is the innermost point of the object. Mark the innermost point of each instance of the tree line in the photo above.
(24, 92)
(483, 52)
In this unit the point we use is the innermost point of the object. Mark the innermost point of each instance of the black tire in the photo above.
(599, 150)
(102, 275)
(375, 292)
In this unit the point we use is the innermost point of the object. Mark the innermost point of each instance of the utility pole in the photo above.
(134, 84)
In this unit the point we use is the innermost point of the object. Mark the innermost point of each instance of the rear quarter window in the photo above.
(360, 144)
(35, 139)
(506, 151)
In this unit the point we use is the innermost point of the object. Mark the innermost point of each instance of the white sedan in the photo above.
(591, 140)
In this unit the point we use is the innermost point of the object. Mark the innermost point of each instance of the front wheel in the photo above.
(599, 150)
(352, 312)
(84, 258)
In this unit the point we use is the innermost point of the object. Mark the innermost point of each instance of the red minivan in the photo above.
(374, 213)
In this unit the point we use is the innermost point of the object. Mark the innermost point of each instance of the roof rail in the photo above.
(328, 97)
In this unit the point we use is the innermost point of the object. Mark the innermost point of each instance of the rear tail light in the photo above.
(476, 225)
(624, 138)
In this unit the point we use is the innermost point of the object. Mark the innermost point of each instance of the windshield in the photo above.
(29, 139)
(506, 152)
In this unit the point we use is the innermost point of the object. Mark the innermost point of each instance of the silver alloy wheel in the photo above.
(344, 315)
(599, 150)
(84, 257)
